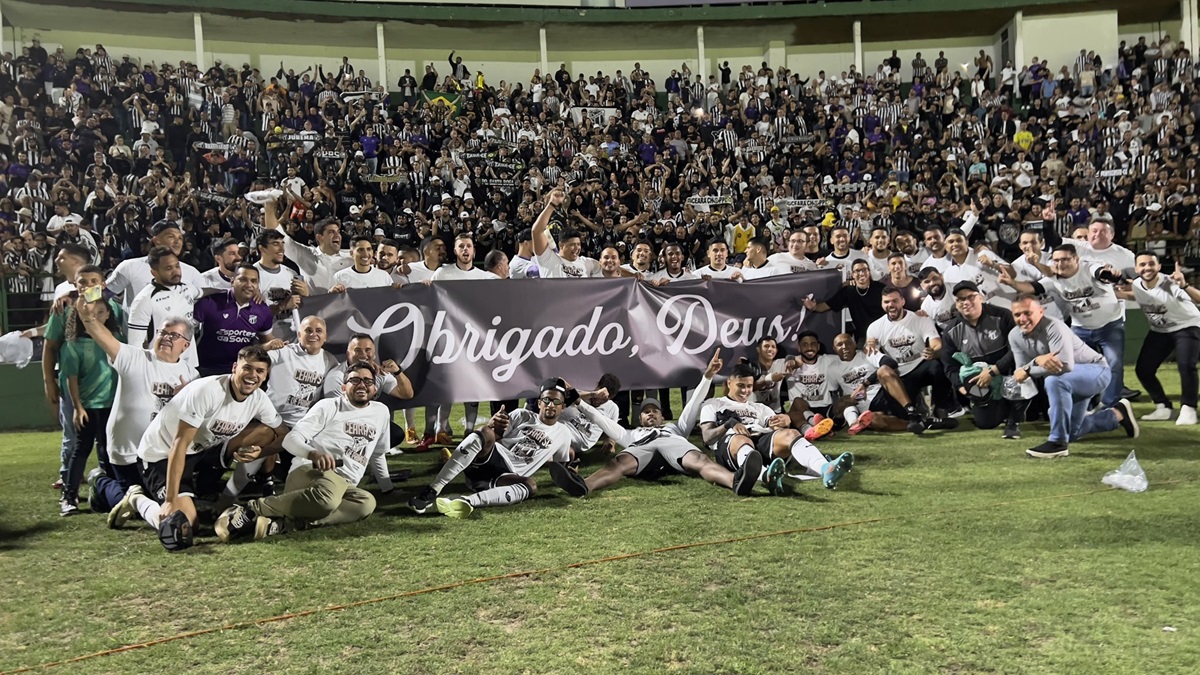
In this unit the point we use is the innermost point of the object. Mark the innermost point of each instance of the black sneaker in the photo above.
(747, 475)
(1130, 394)
(235, 522)
(265, 483)
(1128, 423)
(916, 425)
(941, 423)
(1047, 450)
(1012, 430)
(423, 501)
(567, 479)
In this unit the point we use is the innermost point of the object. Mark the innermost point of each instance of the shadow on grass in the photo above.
(12, 539)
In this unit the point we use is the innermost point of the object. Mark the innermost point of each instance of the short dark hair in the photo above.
(360, 336)
(77, 250)
(248, 267)
(252, 353)
(716, 240)
(362, 237)
(1152, 254)
(324, 225)
(611, 383)
(890, 290)
(743, 370)
(1036, 233)
(91, 269)
(156, 255)
(1066, 248)
(363, 364)
(221, 244)
(570, 234)
(387, 241)
(269, 236)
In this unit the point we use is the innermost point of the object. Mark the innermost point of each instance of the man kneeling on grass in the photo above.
(656, 449)
(499, 461)
(333, 444)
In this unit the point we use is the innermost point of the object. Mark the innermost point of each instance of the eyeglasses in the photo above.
(550, 401)
(355, 381)
(171, 335)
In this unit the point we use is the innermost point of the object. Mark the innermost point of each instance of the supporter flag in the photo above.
(436, 97)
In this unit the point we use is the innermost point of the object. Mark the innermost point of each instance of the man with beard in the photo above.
(1073, 373)
(639, 260)
(965, 265)
(433, 254)
(809, 383)
(981, 333)
(391, 379)
(746, 436)
(318, 263)
(1170, 307)
(133, 275)
(862, 298)
(333, 444)
(935, 244)
(229, 320)
(567, 261)
(673, 269)
(878, 252)
(362, 273)
(499, 461)
(656, 449)
(912, 347)
(228, 255)
(914, 256)
(166, 296)
(842, 257)
(794, 259)
(206, 424)
(463, 268)
(899, 278)
(390, 258)
(938, 305)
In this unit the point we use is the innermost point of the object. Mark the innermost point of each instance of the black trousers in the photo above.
(1185, 342)
(929, 374)
(994, 413)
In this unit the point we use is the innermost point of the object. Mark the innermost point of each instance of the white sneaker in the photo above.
(1162, 413)
(124, 510)
(1187, 416)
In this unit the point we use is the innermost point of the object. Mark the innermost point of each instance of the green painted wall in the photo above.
(22, 403)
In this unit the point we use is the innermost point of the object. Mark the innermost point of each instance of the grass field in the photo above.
(975, 559)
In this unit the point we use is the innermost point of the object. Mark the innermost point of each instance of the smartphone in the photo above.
(93, 294)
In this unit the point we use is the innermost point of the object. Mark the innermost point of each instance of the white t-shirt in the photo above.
(1168, 307)
(527, 444)
(754, 416)
(133, 275)
(845, 376)
(939, 264)
(384, 382)
(584, 432)
(553, 266)
(453, 272)
(969, 272)
(683, 275)
(281, 277)
(843, 264)
(771, 396)
(1024, 271)
(519, 268)
(349, 433)
(940, 310)
(790, 263)
(297, 380)
(903, 340)
(208, 405)
(811, 382)
(145, 384)
(372, 278)
(1092, 303)
(767, 270)
(916, 261)
(214, 280)
(708, 271)
(879, 266)
(419, 271)
(153, 305)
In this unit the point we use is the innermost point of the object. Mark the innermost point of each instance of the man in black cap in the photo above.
(522, 265)
(499, 461)
(980, 333)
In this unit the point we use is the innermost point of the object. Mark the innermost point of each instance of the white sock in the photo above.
(499, 496)
(743, 453)
(807, 455)
(443, 419)
(410, 418)
(462, 457)
(242, 474)
(472, 410)
(850, 415)
(148, 508)
(431, 415)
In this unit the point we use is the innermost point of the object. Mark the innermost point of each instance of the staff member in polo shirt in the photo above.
(231, 320)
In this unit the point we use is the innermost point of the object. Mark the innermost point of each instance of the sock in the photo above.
(242, 474)
(462, 457)
(431, 414)
(148, 508)
(807, 455)
(743, 453)
(912, 413)
(499, 496)
(850, 415)
(443, 419)
(410, 419)
(472, 415)
(809, 416)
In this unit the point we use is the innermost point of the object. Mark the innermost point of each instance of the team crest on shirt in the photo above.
(991, 334)
(252, 319)
(364, 437)
(531, 441)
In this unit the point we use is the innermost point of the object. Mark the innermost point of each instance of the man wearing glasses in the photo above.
(333, 445)
(980, 332)
(499, 461)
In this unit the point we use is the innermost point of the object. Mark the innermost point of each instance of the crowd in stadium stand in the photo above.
(941, 181)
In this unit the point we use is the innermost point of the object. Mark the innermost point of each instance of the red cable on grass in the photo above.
(526, 573)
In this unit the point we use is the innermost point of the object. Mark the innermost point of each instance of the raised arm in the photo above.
(95, 328)
(541, 227)
(691, 412)
(619, 434)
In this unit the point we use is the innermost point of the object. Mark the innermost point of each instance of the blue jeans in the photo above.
(1069, 395)
(66, 417)
(111, 490)
(1109, 340)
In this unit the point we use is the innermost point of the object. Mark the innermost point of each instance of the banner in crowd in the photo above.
(791, 205)
(450, 100)
(594, 115)
(848, 188)
(493, 340)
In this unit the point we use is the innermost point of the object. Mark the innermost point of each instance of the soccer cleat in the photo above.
(93, 493)
(410, 436)
(1187, 416)
(941, 423)
(1047, 450)
(235, 522)
(916, 425)
(454, 508)
(422, 501)
(68, 506)
(443, 438)
(268, 527)
(833, 471)
(820, 428)
(1162, 413)
(862, 423)
(124, 510)
(747, 475)
(445, 454)
(1012, 430)
(1128, 421)
(425, 445)
(955, 413)
(567, 479)
(773, 477)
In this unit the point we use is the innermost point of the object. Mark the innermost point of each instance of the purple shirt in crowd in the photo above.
(226, 328)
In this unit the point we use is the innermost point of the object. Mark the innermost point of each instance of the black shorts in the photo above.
(154, 474)
(483, 474)
(761, 443)
(885, 404)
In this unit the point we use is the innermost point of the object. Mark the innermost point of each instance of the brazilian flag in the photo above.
(433, 98)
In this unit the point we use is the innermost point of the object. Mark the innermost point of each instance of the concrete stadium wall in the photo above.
(1059, 37)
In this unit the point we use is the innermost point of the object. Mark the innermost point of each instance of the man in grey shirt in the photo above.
(1044, 347)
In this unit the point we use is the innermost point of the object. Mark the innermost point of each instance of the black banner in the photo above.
(491, 340)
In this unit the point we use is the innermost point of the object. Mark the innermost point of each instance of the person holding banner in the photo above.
(718, 254)
(794, 259)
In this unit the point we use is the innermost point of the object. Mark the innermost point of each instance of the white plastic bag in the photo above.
(1018, 391)
(1129, 476)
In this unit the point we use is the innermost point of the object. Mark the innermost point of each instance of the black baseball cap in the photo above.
(966, 286)
(554, 384)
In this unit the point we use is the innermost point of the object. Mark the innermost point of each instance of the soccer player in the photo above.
(756, 266)
(717, 267)
(333, 444)
(464, 267)
(1170, 307)
(673, 269)
(230, 320)
(147, 379)
(499, 461)
(878, 252)
(228, 255)
(1073, 372)
(433, 255)
(134, 274)
(913, 345)
(584, 433)
(167, 296)
(656, 449)
(809, 384)
(362, 273)
(207, 422)
(773, 372)
(842, 257)
(741, 432)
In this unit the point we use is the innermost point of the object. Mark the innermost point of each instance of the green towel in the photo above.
(970, 369)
